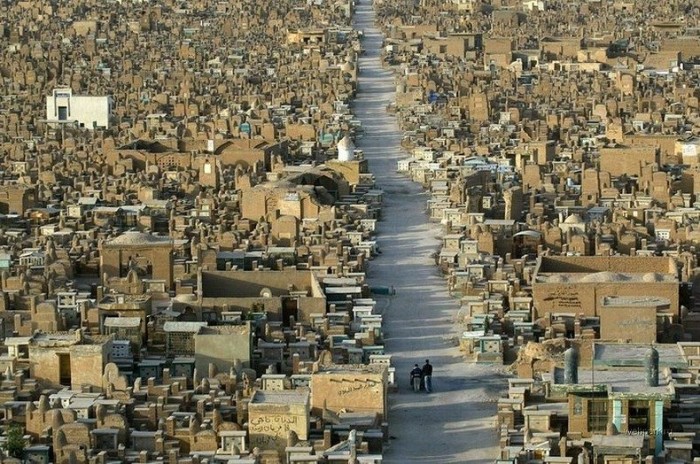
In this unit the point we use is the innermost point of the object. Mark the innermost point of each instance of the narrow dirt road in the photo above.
(455, 423)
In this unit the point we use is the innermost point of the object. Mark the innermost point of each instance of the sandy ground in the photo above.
(455, 423)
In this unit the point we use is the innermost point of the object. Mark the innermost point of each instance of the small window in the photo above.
(597, 415)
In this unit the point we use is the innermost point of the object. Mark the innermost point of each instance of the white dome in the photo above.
(345, 149)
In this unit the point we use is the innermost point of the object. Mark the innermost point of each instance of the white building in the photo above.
(346, 149)
(689, 150)
(533, 5)
(87, 111)
(466, 6)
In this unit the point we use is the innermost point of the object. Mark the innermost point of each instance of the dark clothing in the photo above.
(416, 378)
(427, 375)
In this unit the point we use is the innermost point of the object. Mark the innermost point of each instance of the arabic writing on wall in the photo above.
(357, 386)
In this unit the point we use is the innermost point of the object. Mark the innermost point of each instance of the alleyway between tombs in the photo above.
(454, 424)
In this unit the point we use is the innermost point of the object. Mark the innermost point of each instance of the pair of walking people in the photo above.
(422, 378)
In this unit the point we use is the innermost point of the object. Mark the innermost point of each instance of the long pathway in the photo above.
(454, 424)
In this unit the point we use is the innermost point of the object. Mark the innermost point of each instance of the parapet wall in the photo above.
(625, 264)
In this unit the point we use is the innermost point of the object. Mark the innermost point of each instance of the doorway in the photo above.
(64, 373)
(290, 308)
(638, 416)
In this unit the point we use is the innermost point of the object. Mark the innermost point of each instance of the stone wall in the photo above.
(355, 390)
(223, 347)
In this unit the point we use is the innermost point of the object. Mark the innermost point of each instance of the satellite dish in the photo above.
(266, 293)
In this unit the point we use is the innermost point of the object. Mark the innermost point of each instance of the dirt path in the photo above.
(454, 424)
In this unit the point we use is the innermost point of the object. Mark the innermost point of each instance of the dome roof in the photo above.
(345, 149)
(528, 233)
(573, 219)
(137, 238)
(346, 144)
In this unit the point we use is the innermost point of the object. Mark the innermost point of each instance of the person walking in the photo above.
(427, 374)
(416, 374)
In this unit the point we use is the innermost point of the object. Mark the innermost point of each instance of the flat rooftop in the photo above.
(122, 322)
(614, 354)
(634, 301)
(280, 397)
(629, 441)
(620, 382)
(351, 369)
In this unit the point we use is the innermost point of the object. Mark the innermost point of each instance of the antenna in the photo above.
(593, 368)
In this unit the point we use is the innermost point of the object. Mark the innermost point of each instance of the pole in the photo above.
(593, 368)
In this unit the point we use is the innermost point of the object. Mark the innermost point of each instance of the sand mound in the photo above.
(605, 276)
(549, 350)
(653, 277)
